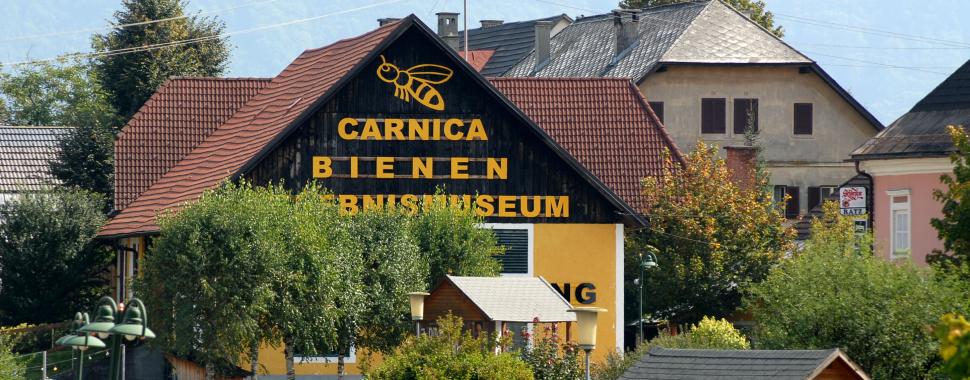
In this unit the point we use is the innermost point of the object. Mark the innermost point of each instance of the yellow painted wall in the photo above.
(271, 362)
(578, 253)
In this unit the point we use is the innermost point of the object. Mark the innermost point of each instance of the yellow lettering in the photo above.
(371, 131)
(450, 133)
(484, 205)
(410, 202)
(342, 128)
(393, 129)
(353, 167)
(506, 206)
(385, 167)
(536, 206)
(436, 129)
(373, 202)
(497, 168)
(461, 201)
(421, 167)
(476, 131)
(418, 129)
(348, 204)
(328, 198)
(459, 167)
(557, 207)
(321, 167)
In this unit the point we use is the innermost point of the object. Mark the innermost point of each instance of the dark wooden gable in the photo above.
(534, 171)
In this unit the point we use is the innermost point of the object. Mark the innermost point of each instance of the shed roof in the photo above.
(921, 132)
(686, 364)
(515, 299)
(509, 42)
(25, 156)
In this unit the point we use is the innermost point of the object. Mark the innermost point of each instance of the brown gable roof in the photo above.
(617, 137)
(253, 127)
(176, 119)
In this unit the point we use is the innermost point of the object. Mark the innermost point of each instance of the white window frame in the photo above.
(893, 208)
(530, 228)
(349, 359)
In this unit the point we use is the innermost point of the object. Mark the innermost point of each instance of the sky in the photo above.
(887, 53)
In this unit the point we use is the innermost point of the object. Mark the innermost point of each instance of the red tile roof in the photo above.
(170, 124)
(233, 144)
(605, 123)
(477, 58)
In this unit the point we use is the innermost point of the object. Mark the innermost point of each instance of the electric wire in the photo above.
(873, 31)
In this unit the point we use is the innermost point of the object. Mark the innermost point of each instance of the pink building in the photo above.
(906, 161)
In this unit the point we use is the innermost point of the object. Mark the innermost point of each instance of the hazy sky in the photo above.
(887, 53)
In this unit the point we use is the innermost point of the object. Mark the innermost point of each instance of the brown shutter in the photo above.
(741, 109)
(658, 108)
(803, 118)
(713, 115)
(814, 197)
(791, 208)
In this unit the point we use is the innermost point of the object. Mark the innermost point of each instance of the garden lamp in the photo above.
(134, 323)
(586, 319)
(646, 262)
(104, 321)
(417, 308)
(80, 341)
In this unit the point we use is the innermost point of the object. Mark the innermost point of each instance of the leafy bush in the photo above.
(834, 293)
(709, 333)
(952, 332)
(550, 358)
(451, 354)
(12, 367)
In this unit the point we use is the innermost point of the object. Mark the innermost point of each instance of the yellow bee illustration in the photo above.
(416, 82)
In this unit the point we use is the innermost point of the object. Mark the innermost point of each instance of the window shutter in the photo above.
(658, 109)
(814, 197)
(791, 208)
(803, 118)
(516, 243)
(741, 109)
(713, 115)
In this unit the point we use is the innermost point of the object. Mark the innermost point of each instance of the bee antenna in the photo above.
(382, 59)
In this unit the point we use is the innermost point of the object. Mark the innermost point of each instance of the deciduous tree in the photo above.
(954, 227)
(453, 241)
(50, 265)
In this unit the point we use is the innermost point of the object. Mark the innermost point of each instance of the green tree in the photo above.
(132, 78)
(67, 93)
(451, 238)
(754, 8)
(709, 333)
(50, 266)
(450, 354)
(224, 262)
(834, 293)
(954, 227)
(714, 240)
(12, 367)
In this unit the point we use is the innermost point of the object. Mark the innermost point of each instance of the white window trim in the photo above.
(530, 228)
(892, 222)
(350, 358)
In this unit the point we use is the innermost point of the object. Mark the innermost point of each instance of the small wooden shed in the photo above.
(495, 304)
(663, 363)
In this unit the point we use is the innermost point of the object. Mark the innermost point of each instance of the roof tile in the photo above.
(25, 156)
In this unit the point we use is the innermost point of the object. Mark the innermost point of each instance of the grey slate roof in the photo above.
(515, 299)
(25, 154)
(510, 42)
(662, 363)
(691, 32)
(921, 132)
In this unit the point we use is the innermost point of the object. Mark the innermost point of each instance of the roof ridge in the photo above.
(189, 77)
(37, 126)
(770, 33)
(554, 79)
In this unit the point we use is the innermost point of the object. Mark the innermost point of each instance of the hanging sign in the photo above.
(852, 200)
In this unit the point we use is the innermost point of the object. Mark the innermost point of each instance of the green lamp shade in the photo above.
(132, 331)
(81, 342)
(102, 323)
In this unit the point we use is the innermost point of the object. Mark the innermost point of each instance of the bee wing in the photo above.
(429, 73)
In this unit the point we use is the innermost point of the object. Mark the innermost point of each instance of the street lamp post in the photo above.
(80, 341)
(586, 324)
(646, 262)
(417, 309)
(134, 325)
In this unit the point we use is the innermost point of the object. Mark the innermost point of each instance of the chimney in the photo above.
(626, 23)
(490, 23)
(386, 20)
(543, 32)
(741, 161)
(448, 28)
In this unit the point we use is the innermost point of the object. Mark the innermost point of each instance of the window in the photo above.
(899, 220)
(517, 243)
(658, 109)
(803, 118)
(745, 114)
(791, 205)
(713, 115)
(818, 194)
